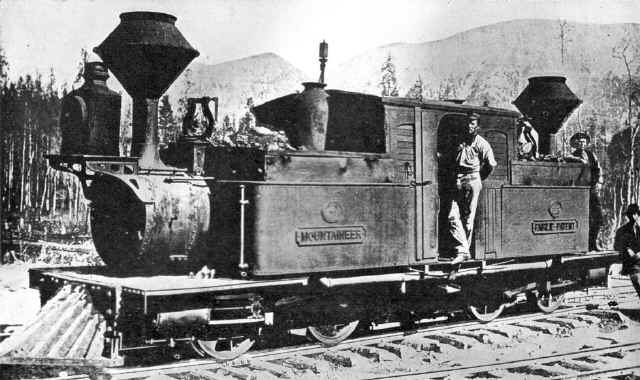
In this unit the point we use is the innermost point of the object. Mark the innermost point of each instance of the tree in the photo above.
(3, 89)
(448, 88)
(416, 91)
(33, 191)
(246, 123)
(388, 83)
(188, 86)
(167, 127)
(3, 68)
(126, 129)
(565, 28)
(629, 53)
(84, 54)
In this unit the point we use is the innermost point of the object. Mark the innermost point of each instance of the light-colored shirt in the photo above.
(588, 158)
(471, 157)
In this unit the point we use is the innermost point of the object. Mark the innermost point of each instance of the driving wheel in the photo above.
(548, 303)
(486, 313)
(222, 350)
(330, 335)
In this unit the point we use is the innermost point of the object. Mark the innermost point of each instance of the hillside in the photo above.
(487, 64)
(262, 77)
(498, 57)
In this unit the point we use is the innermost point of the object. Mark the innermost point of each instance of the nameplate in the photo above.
(566, 226)
(330, 235)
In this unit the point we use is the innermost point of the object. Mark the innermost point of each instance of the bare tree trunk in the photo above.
(632, 130)
(29, 180)
(45, 187)
(54, 193)
(22, 169)
(36, 171)
(2, 189)
(76, 194)
(10, 191)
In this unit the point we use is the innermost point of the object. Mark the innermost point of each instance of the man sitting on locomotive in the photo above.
(474, 161)
(579, 142)
(527, 140)
(627, 242)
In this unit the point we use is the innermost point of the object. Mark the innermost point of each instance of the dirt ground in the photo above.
(18, 303)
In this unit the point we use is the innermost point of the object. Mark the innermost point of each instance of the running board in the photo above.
(238, 321)
(331, 282)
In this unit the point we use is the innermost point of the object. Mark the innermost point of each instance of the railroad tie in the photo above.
(67, 326)
(301, 363)
(618, 361)
(41, 331)
(403, 351)
(467, 341)
(426, 344)
(73, 308)
(446, 340)
(240, 373)
(529, 371)
(510, 331)
(577, 365)
(96, 340)
(586, 316)
(492, 374)
(275, 369)
(486, 336)
(537, 326)
(207, 374)
(337, 358)
(24, 336)
(62, 346)
(375, 354)
(565, 322)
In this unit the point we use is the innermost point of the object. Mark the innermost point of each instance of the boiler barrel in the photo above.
(144, 222)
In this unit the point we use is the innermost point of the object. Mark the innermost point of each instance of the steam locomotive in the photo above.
(345, 232)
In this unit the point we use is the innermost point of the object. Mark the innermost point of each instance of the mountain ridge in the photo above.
(489, 63)
(532, 46)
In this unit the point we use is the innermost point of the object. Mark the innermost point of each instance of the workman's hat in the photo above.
(632, 209)
(473, 116)
(580, 135)
(525, 121)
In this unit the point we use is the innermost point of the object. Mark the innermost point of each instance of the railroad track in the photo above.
(616, 360)
(511, 347)
(445, 351)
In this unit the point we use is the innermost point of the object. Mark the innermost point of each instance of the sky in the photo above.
(37, 35)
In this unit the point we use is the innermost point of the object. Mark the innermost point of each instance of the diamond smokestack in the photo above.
(146, 52)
